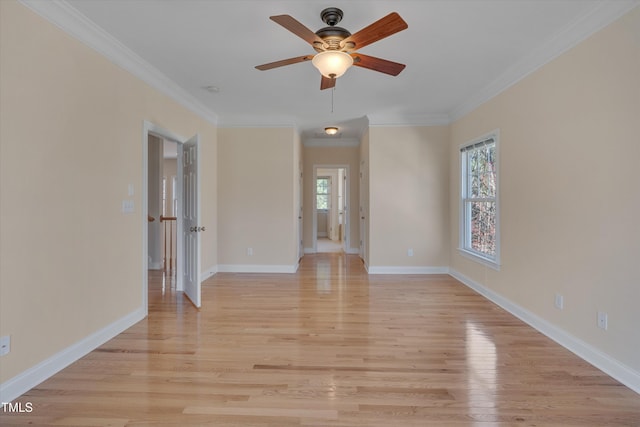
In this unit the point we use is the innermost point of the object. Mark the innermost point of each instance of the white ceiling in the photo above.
(458, 54)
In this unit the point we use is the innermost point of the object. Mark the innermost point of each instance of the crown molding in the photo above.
(68, 19)
(601, 15)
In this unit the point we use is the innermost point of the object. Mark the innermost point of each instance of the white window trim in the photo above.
(493, 263)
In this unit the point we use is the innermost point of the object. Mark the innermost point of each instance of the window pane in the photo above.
(481, 172)
(322, 201)
(483, 227)
(322, 186)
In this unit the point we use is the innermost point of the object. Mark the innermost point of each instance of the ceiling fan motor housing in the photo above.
(331, 16)
(331, 35)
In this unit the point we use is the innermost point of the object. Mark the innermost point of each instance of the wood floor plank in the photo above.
(328, 346)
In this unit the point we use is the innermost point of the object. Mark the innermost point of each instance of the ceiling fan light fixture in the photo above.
(331, 130)
(332, 63)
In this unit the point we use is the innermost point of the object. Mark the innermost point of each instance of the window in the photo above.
(322, 192)
(479, 225)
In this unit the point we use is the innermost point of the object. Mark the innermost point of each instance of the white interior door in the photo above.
(189, 218)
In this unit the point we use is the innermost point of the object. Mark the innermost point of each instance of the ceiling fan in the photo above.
(337, 47)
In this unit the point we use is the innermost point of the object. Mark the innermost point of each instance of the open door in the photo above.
(189, 218)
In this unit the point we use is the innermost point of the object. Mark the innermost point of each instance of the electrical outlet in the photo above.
(602, 320)
(5, 345)
(559, 302)
(409, 252)
(250, 251)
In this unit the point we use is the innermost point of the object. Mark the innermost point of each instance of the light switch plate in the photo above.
(128, 206)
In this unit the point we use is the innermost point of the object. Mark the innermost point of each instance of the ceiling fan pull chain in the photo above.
(333, 90)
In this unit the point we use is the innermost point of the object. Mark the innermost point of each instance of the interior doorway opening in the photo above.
(330, 214)
(162, 205)
(184, 201)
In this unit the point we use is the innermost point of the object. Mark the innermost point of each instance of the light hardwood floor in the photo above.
(329, 346)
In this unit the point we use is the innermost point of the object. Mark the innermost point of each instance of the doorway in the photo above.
(187, 264)
(330, 208)
(162, 205)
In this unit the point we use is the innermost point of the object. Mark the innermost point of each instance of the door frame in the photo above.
(347, 201)
(150, 128)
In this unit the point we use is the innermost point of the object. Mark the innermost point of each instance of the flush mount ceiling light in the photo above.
(331, 130)
(332, 63)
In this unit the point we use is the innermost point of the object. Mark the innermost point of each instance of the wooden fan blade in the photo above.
(377, 64)
(284, 62)
(297, 28)
(384, 27)
(327, 83)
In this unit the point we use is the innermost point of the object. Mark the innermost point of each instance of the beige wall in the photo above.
(71, 143)
(408, 179)
(334, 156)
(569, 150)
(257, 204)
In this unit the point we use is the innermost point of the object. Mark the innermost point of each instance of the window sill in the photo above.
(477, 258)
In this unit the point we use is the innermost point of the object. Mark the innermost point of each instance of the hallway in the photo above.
(325, 245)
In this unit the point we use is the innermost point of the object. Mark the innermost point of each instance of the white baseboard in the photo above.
(33, 376)
(407, 270)
(350, 251)
(244, 268)
(208, 273)
(602, 361)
